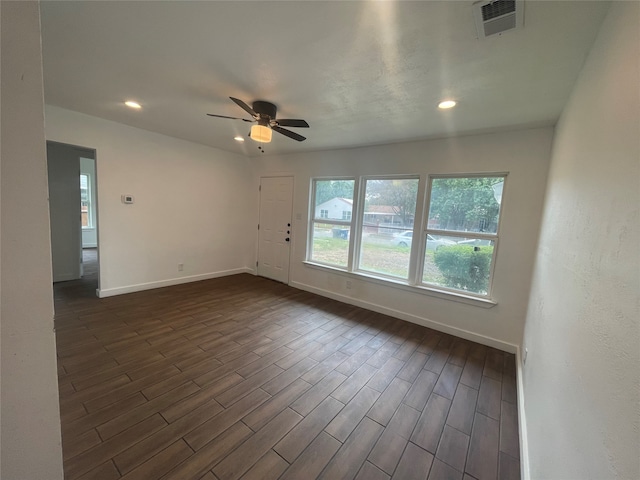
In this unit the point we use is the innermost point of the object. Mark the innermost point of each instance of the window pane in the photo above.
(465, 265)
(334, 199)
(388, 218)
(386, 253)
(84, 188)
(84, 201)
(465, 204)
(330, 244)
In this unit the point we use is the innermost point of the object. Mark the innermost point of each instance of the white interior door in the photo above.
(274, 231)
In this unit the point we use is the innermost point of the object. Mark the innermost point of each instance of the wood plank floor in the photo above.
(242, 377)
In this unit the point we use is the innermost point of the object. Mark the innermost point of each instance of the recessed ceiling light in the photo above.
(446, 104)
(131, 104)
(238, 138)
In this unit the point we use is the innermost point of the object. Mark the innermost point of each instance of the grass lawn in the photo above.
(377, 256)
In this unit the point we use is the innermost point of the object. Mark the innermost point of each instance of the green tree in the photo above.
(464, 204)
(399, 194)
(328, 189)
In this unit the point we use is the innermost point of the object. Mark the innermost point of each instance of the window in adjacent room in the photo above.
(85, 201)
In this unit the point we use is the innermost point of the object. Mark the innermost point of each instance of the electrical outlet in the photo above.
(348, 284)
(180, 267)
(524, 355)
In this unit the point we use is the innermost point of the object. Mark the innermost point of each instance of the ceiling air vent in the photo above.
(498, 16)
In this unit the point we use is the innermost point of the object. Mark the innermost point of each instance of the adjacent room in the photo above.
(359, 240)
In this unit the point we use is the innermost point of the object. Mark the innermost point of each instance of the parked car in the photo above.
(404, 240)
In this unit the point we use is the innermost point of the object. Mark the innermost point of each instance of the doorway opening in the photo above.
(73, 210)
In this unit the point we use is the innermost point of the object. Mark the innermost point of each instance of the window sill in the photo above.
(388, 282)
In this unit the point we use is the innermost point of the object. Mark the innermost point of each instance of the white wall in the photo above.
(29, 415)
(191, 204)
(524, 154)
(90, 234)
(581, 378)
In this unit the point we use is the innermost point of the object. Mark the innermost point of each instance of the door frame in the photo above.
(259, 204)
(93, 154)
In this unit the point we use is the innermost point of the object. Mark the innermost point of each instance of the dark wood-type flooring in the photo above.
(242, 377)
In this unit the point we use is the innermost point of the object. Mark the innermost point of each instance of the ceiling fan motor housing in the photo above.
(265, 109)
(264, 113)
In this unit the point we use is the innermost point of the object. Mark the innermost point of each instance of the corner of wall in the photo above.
(579, 385)
(30, 428)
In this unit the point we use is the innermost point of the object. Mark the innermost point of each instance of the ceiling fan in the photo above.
(264, 113)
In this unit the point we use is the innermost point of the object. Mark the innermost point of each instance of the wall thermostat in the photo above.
(127, 199)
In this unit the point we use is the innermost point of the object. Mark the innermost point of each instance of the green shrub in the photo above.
(465, 267)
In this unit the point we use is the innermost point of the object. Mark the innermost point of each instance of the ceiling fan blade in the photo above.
(288, 133)
(244, 106)
(291, 122)
(232, 118)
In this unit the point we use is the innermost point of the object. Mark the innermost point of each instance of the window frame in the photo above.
(414, 283)
(89, 202)
(494, 237)
(328, 221)
(360, 226)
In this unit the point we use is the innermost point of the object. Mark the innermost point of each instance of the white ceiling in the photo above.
(360, 73)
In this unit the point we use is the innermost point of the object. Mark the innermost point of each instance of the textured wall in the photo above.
(30, 428)
(582, 329)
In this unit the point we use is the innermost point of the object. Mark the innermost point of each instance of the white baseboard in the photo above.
(425, 322)
(525, 474)
(110, 292)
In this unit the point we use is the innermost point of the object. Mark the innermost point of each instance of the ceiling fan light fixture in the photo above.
(261, 133)
(264, 113)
